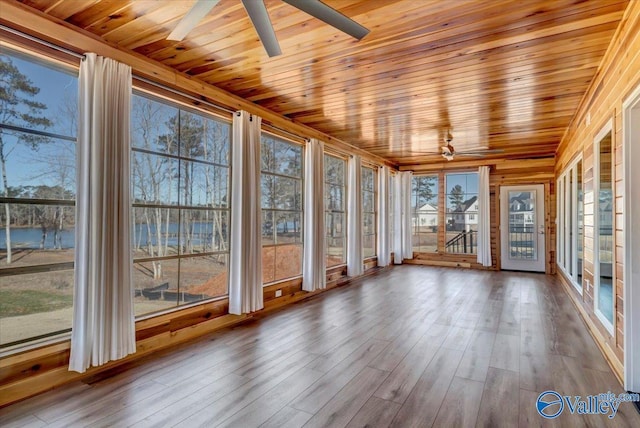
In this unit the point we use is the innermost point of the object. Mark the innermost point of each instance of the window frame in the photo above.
(343, 211)
(608, 325)
(179, 205)
(374, 213)
(566, 197)
(445, 195)
(278, 137)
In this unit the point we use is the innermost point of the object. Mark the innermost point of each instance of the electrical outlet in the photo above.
(278, 293)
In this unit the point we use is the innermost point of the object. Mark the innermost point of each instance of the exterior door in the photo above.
(522, 230)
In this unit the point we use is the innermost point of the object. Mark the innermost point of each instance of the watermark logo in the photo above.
(550, 404)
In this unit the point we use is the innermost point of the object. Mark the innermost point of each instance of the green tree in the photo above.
(456, 197)
(17, 107)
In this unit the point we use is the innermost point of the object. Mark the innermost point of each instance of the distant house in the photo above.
(426, 216)
(521, 211)
(464, 216)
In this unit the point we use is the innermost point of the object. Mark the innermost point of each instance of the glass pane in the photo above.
(52, 94)
(203, 231)
(268, 264)
(191, 135)
(154, 125)
(202, 278)
(580, 209)
(288, 261)
(155, 232)
(605, 230)
(522, 220)
(35, 304)
(39, 234)
(335, 197)
(336, 254)
(267, 154)
(368, 202)
(288, 228)
(288, 158)
(154, 179)
(203, 185)
(334, 170)
(216, 141)
(569, 226)
(155, 285)
(38, 168)
(335, 223)
(288, 193)
(424, 207)
(268, 192)
(268, 228)
(369, 246)
(367, 179)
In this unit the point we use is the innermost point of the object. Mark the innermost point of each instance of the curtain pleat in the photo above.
(245, 267)
(484, 218)
(397, 218)
(103, 317)
(407, 245)
(354, 216)
(314, 264)
(384, 251)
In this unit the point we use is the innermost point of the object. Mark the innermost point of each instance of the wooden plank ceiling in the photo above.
(499, 74)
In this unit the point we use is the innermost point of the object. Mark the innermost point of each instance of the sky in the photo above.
(24, 165)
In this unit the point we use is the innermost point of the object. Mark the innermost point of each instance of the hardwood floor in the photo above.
(413, 346)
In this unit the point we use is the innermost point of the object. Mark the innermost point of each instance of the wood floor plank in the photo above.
(461, 404)
(346, 403)
(287, 417)
(376, 412)
(506, 352)
(232, 402)
(422, 405)
(403, 378)
(269, 404)
(500, 400)
(410, 346)
(319, 394)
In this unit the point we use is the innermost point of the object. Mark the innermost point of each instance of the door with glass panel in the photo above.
(522, 229)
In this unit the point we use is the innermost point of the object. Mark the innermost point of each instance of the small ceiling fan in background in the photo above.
(260, 19)
(448, 152)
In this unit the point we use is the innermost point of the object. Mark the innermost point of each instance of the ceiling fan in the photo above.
(260, 19)
(448, 152)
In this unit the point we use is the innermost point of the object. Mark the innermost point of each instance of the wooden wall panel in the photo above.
(618, 74)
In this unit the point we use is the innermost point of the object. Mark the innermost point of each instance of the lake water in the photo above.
(30, 237)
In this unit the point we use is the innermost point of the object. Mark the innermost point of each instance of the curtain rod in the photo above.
(40, 41)
(142, 79)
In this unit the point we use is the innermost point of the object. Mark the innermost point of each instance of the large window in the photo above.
(180, 206)
(368, 212)
(604, 243)
(424, 211)
(38, 114)
(462, 213)
(282, 171)
(570, 222)
(335, 209)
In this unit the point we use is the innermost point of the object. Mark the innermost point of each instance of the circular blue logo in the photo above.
(549, 404)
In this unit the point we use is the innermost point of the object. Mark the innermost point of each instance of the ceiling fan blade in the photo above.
(260, 19)
(446, 149)
(331, 16)
(197, 12)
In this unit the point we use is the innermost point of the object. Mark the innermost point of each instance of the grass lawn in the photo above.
(25, 302)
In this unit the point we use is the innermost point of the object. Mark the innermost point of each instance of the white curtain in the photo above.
(407, 245)
(314, 274)
(484, 218)
(354, 216)
(103, 318)
(384, 251)
(245, 267)
(397, 218)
